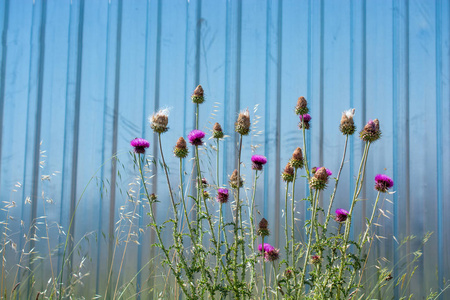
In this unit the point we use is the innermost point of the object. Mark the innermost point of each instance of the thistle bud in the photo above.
(197, 96)
(235, 180)
(304, 119)
(159, 121)
(217, 131)
(289, 273)
(371, 131)
(320, 179)
(288, 173)
(206, 195)
(297, 159)
(181, 149)
(347, 125)
(263, 228)
(315, 259)
(153, 197)
(242, 125)
(302, 106)
(313, 170)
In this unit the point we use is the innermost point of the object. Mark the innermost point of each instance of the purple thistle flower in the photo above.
(139, 145)
(222, 195)
(383, 183)
(258, 161)
(267, 247)
(306, 117)
(341, 215)
(195, 137)
(272, 255)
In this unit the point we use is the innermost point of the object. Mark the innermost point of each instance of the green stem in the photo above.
(363, 240)
(184, 201)
(359, 183)
(196, 115)
(238, 209)
(286, 221)
(264, 269)
(252, 232)
(275, 278)
(217, 164)
(308, 248)
(293, 219)
(335, 186)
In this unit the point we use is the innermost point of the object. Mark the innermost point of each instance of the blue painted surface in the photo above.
(78, 80)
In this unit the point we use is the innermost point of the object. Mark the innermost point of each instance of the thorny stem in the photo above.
(359, 182)
(336, 185)
(238, 208)
(252, 231)
(275, 277)
(292, 218)
(199, 208)
(286, 221)
(158, 235)
(264, 269)
(183, 200)
(308, 248)
(363, 240)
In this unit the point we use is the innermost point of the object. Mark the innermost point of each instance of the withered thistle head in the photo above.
(347, 125)
(197, 96)
(302, 106)
(242, 125)
(288, 173)
(235, 180)
(263, 228)
(217, 131)
(159, 121)
(204, 183)
(297, 159)
(181, 149)
(371, 131)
